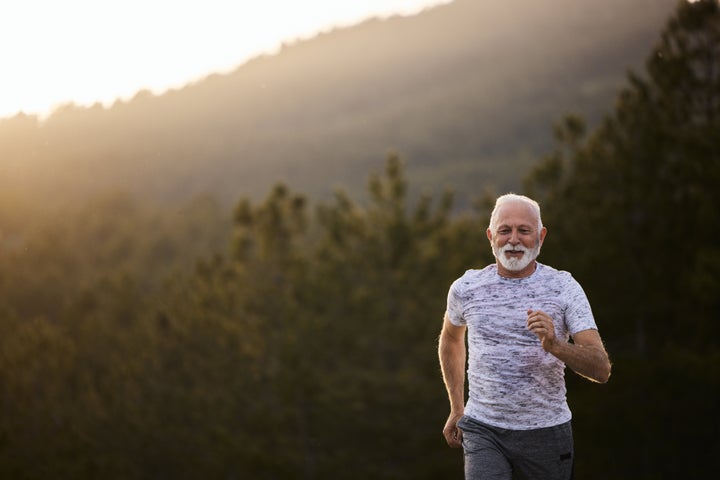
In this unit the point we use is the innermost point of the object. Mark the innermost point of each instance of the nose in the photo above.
(514, 237)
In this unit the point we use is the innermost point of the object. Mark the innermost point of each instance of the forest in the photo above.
(296, 336)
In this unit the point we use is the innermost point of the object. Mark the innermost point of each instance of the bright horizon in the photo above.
(98, 51)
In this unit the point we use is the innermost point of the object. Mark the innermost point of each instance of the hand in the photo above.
(453, 434)
(541, 324)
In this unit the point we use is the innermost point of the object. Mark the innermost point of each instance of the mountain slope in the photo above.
(467, 93)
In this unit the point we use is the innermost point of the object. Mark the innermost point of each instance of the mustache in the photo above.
(510, 248)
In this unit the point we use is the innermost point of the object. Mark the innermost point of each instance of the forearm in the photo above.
(586, 356)
(452, 363)
(589, 361)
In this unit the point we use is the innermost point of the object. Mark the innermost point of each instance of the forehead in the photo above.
(516, 214)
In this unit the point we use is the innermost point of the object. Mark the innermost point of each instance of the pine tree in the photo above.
(637, 194)
(631, 209)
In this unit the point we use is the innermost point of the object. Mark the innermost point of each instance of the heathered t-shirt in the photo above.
(513, 383)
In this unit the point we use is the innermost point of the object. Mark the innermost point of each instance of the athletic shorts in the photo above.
(501, 454)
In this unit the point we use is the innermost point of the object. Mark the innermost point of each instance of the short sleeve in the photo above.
(455, 305)
(578, 314)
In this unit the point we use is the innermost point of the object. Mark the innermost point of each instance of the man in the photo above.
(519, 315)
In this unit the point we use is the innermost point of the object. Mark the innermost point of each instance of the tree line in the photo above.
(298, 340)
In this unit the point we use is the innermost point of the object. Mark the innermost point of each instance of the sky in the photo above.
(55, 52)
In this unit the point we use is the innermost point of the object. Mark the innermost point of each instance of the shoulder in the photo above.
(475, 276)
(559, 277)
(563, 283)
(472, 279)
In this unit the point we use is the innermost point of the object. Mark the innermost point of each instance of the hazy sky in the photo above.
(84, 51)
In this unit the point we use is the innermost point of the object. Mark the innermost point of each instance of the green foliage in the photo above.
(630, 212)
(640, 189)
(312, 341)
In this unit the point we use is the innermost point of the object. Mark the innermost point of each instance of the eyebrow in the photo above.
(522, 225)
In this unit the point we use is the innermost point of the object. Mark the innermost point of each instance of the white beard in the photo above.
(516, 264)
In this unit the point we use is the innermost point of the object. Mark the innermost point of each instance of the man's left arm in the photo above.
(586, 356)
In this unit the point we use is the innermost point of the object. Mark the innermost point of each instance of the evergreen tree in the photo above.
(641, 190)
(632, 211)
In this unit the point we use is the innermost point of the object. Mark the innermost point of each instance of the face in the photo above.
(516, 240)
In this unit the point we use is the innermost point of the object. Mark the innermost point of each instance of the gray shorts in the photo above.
(497, 453)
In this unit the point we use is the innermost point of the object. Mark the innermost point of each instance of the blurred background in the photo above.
(227, 256)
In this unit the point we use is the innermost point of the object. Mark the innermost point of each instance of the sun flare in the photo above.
(85, 51)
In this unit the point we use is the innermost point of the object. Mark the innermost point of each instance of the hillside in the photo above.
(466, 93)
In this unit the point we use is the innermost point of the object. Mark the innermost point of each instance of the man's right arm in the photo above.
(451, 351)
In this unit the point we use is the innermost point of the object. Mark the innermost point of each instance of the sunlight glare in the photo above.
(89, 51)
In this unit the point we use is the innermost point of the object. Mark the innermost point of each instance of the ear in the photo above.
(543, 232)
(489, 235)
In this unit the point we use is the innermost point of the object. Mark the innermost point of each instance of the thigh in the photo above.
(484, 459)
(544, 454)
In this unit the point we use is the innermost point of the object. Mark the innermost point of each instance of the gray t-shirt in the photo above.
(513, 382)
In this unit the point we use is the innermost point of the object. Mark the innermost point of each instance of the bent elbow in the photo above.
(603, 375)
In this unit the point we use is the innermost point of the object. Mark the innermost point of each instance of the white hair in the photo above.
(510, 198)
